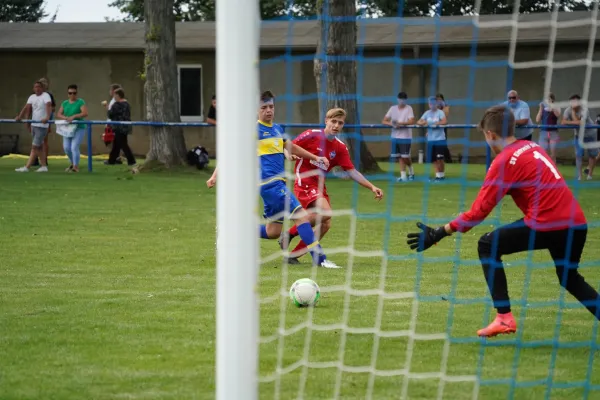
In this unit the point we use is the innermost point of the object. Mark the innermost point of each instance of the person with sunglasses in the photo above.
(522, 115)
(73, 109)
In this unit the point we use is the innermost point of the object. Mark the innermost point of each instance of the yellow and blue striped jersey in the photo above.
(270, 152)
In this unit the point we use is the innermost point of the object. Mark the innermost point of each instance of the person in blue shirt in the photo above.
(277, 198)
(522, 115)
(436, 137)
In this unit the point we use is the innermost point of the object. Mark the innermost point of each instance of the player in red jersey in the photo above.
(309, 186)
(553, 218)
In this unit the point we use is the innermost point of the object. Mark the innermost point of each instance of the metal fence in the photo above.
(351, 131)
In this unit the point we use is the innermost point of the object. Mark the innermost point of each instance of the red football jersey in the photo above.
(525, 172)
(315, 141)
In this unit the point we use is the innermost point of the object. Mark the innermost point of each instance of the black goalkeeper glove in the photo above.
(427, 238)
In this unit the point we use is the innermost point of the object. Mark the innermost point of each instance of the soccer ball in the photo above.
(305, 292)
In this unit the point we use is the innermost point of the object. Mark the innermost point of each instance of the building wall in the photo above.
(381, 75)
(490, 85)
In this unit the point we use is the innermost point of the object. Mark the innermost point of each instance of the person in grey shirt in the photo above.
(573, 115)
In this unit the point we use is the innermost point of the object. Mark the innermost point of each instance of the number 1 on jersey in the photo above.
(538, 156)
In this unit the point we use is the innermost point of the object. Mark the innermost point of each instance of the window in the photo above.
(189, 77)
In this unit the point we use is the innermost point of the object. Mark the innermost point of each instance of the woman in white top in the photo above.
(398, 117)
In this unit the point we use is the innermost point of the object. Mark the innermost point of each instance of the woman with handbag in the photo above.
(72, 109)
(120, 111)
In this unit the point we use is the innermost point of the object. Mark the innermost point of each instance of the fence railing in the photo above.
(347, 128)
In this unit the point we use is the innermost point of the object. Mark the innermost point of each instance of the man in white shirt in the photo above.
(398, 117)
(39, 105)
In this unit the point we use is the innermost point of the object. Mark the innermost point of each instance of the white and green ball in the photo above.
(305, 292)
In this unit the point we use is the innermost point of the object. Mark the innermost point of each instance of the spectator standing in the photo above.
(39, 105)
(446, 109)
(73, 109)
(211, 117)
(111, 93)
(548, 114)
(398, 117)
(522, 115)
(108, 132)
(435, 137)
(120, 111)
(46, 85)
(574, 115)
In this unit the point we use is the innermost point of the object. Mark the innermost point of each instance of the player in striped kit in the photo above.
(277, 200)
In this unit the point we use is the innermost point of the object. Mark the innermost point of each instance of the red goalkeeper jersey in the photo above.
(525, 172)
(315, 141)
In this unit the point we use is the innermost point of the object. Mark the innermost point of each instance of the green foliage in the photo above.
(154, 34)
(389, 8)
(204, 10)
(147, 63)
(22, 11)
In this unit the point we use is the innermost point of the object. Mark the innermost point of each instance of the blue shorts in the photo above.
(591, 151)
(278, 201)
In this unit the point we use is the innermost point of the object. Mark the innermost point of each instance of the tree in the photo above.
(55, 15)
(204, 10)
(183, 10)
(337, 60)
(22, 11)
(389, 8)
(167, 144)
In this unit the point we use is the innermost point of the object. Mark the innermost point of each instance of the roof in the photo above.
(373, 33)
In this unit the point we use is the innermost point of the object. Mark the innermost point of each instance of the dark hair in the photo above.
(267, 95)
(214, 97)
(114, 86)
(402, 95)
(72, 86)
(498, 119)
(551, 96)
(575, 97)
(38, 83)
(441, 96)
(120, 92)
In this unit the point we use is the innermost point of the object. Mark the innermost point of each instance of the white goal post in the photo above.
(237, 48)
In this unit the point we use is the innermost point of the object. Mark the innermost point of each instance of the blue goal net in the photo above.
(393, 323)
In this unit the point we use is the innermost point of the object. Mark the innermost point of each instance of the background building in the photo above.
(470, 66)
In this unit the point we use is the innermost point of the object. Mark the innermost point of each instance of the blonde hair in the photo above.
(43, 82)
(335, 113)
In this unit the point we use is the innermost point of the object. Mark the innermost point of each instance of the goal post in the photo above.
(237, 50)
(392, 323)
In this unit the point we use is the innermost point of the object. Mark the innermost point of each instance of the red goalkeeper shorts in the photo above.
(307, 195)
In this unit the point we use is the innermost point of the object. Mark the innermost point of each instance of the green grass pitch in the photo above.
(107, 291)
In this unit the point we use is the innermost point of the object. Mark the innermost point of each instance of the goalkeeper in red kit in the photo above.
(553, 219)
(309, 186)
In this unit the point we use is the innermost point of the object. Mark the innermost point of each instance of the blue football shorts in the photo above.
(278, 201)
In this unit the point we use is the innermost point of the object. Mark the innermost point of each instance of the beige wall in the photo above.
(379, 83)
(490, 85)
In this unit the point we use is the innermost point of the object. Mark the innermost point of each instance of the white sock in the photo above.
(403, 174)
(411, 171)
(439, 174)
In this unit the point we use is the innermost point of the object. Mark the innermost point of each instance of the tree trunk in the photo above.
(335, 72)
(167, 144)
